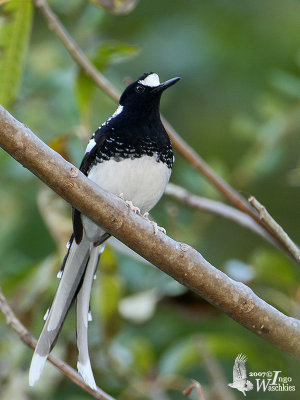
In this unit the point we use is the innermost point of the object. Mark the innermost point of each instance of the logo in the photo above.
(265, 381)
(240, 381)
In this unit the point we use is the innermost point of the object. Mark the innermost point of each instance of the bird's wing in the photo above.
(88, 160)
(239, 368)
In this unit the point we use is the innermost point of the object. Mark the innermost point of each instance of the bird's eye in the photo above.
(139, 89)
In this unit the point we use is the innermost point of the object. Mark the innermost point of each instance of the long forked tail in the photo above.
(74, 268)
(82, 315)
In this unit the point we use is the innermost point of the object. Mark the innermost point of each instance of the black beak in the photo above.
(165, 85)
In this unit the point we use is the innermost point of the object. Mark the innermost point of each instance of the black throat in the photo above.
(132, 135)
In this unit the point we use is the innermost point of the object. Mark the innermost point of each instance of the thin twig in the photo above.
(194, 385)
(28, 339)
(116, 7)
(75, 51)
(186, 151)
(275, 227)
(217, 208)
(214, 371)
(178, 260)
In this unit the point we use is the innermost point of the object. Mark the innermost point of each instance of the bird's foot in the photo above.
(156, 228)
(130, 205)
(146, 216)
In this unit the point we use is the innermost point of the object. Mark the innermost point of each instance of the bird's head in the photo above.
(142, 97)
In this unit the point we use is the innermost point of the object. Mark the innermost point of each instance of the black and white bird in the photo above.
(129, 155)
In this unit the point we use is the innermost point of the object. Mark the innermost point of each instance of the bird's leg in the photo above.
(103, 239)
(156, 228)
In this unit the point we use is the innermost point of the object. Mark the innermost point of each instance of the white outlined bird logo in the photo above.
(240, 381)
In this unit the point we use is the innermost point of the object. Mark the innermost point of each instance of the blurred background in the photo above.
(238, 105)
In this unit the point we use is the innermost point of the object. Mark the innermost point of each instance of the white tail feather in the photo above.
(36, 368)
(83, 304)
(73, 270)
(85, 371)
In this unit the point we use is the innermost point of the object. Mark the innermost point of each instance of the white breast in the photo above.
(141, 180)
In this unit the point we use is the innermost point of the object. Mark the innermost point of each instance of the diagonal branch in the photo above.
(266, 217)
(179, 260)
(75, 51)
(186, 151)
(217, 208)
(28, 339)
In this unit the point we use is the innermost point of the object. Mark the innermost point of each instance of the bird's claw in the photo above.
(157, 228)
(136, 210)
(146, 216)
(130, 205)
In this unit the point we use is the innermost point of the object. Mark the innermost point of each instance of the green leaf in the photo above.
(116, 7)
(15, 27)
(105, 55)
(113, 53)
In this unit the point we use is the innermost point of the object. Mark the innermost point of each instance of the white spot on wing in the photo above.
(90, 145)
(59, 274)
(151, 80)
(46, 315)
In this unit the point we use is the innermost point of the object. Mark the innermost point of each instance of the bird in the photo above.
(240, 381)
(131, 156)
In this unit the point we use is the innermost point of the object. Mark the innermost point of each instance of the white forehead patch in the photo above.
(151, 80)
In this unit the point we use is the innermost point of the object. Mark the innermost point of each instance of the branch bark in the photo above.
(30, 341)
(194, 385)
(266, 217)
(217, 208)
(186, 151)
(179, 260)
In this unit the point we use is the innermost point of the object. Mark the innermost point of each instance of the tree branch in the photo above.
(28, 339)
(186, 151)
(266, 217)
(194, 385)
(179, 260)
(217, 208)
(75, 51)
(116, 7)
(214, 371)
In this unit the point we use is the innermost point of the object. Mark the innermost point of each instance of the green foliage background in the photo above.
(238, 105)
